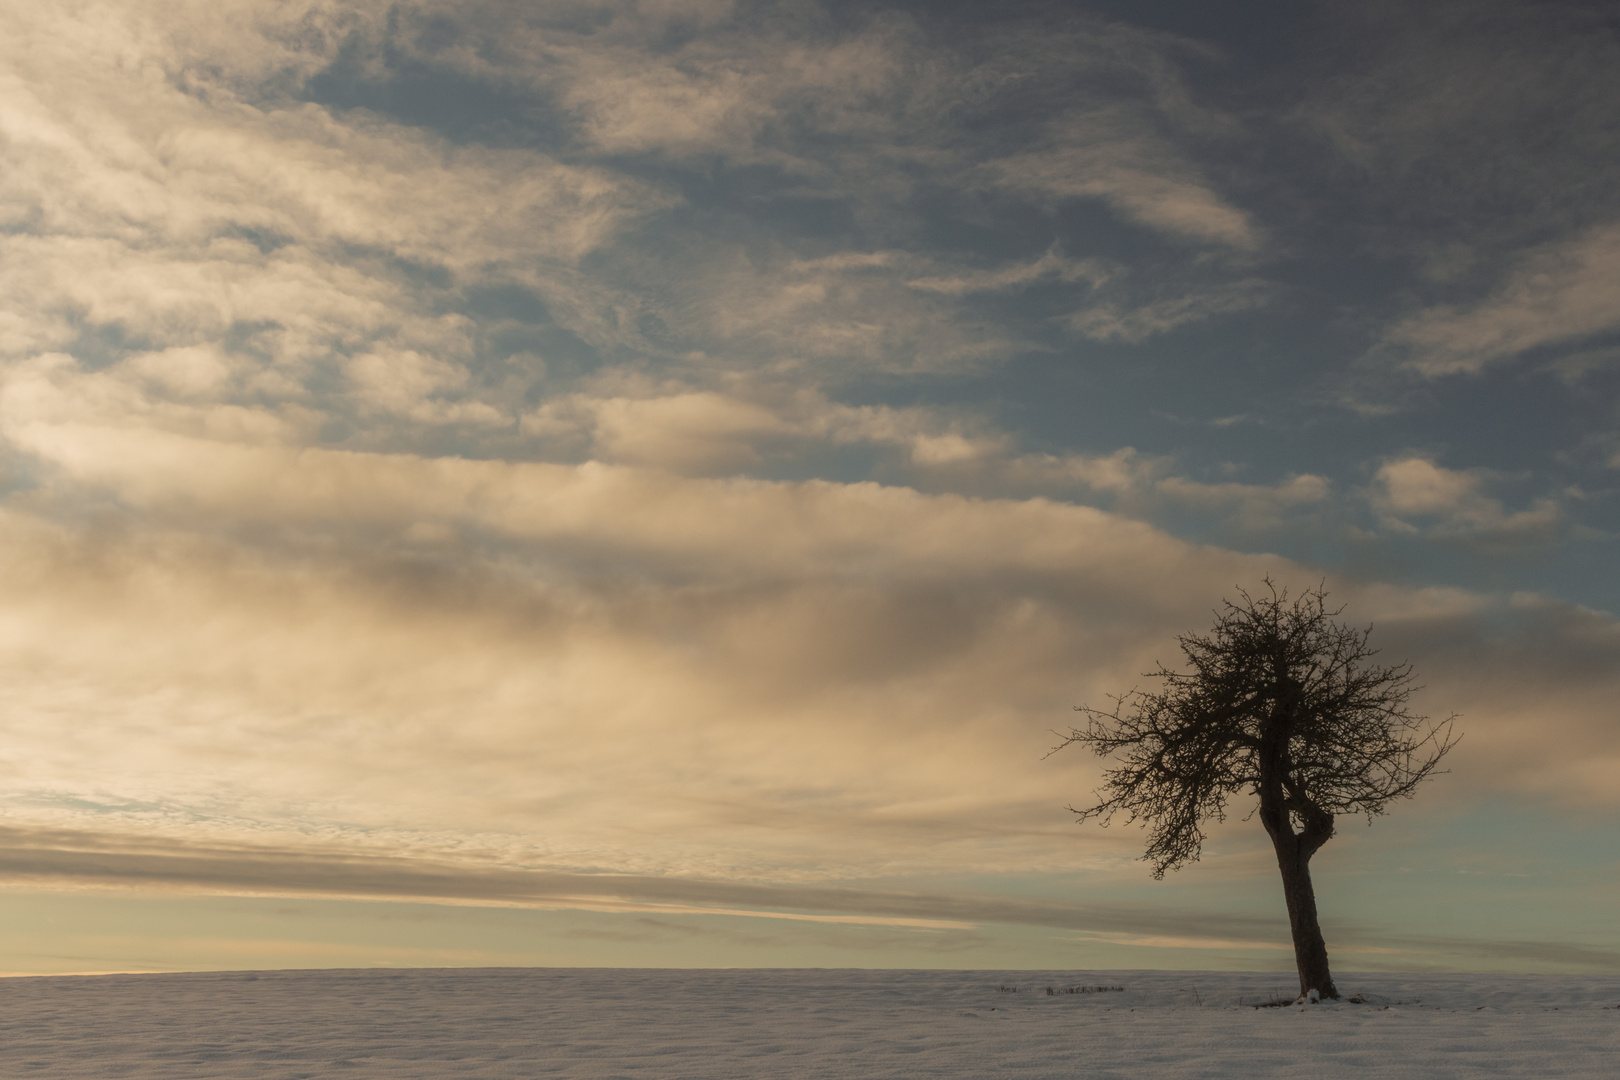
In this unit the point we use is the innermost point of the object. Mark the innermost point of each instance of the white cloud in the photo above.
(1111, 154)
(252, 251)
(627, 632)
(755, 429)
(1150, 488)
(1558, 296)
(407, 383)
(186, 372)
(685, 432)
(711, 433)
(1253, 507)
(307, 635)
(1412, 494)
(92, 152)
(197, 201)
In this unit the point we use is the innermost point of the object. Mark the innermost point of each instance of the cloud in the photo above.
(1472, 131)
(793, 677)
(209, 247)
(1254, 507)
(94, 154)
(1146, 487)
(760, 427)
(708, 433)
(1522, 672)
(1412, 494)
(548, 637)
(1469, 148)
(1562, 295)
(830, 319)
(88, 857)
(722, 96)
(213, 209)
(1102, 157)
(844, 118)
(704, 80)
(1117, 123)
(1052, 266)
(1132, 323)
(84, 858)
(407, 383)
(711, 433)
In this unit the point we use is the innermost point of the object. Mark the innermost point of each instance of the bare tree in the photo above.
(1280, 702)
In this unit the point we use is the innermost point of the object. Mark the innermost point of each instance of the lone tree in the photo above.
(1281, 702)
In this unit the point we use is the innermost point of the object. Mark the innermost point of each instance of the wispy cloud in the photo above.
(1107, 157)
(1112, 320)
(1560, 296)
(1052, 266)
(122, 860)
(1482, 128)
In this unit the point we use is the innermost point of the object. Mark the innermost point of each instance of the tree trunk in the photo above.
(1310, 951)
(1279, 795)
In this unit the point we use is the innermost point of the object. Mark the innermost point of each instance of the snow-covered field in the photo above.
(519, 1023)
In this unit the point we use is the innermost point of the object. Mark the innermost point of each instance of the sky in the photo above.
(646, 482)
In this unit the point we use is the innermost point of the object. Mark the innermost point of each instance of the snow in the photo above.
(599, 1022)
